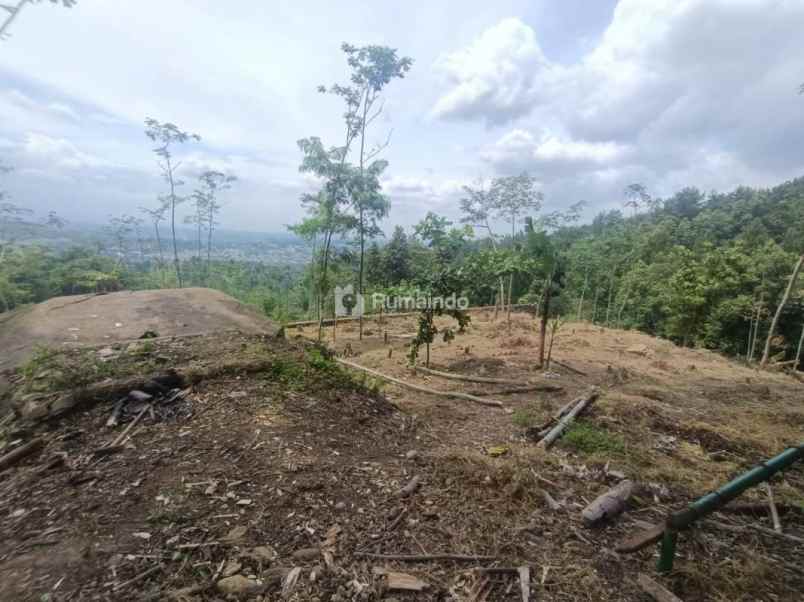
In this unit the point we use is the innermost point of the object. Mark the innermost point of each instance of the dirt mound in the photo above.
(87, 320)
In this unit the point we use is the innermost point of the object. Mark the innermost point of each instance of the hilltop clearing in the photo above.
(265, 465)
(87, 320)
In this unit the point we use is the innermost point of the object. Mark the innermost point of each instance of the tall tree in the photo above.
(515, 197)
(790, 286)
(211, 183)
(157, 216)
(397, 258)
(373, 67)
(166, 135)
(477, 207)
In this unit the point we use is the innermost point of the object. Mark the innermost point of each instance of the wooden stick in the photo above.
(656, 591)
(23, 451)
(421, 389)
(130, 426)
(777, 524)
(524, 582)
(139, 577)
(471, 379)
(515, 390)
(562, 425)
(742, 529)
(568, 367)
(425, 557)
(410, 488)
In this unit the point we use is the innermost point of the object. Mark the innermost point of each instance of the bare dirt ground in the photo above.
(97, 319)
(280, 465)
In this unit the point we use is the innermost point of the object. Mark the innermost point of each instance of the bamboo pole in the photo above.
(558, 429)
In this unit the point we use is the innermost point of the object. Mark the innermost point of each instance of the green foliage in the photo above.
(524, 418)
(588, 438)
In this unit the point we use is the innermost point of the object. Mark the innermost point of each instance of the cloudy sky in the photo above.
(586, 96)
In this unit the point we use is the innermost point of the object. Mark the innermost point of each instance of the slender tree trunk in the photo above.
(198, 236)
(159, 244)
(322, 281)
(625, 302)
(361, 213)
(798, 351)
(774, 323)
(510, 288)
(176, 263)
(502, 281)
(553, 331)
(608, 305)
(594, 307)
(543, 326)
(360, 271)
(757, 324)
(583, 292)
(750, 332)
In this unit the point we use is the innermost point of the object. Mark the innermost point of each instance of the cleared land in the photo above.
(278, 459)
(86, 320)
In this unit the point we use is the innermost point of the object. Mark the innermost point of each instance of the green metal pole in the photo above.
(668, 550)
(718, 498)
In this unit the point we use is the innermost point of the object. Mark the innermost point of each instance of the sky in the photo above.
(588, 97)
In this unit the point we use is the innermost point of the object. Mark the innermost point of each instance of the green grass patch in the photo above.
(524, 418)
(586, 437)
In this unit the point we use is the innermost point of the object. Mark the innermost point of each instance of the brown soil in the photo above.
(301, 453)
(81, 320)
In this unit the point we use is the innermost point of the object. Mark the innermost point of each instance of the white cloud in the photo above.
(59, 152)
(550, 155)
(703, 89)
(498, 77)
(434, 189)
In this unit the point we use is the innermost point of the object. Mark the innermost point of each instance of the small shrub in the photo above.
(588, 438)
(524, 418)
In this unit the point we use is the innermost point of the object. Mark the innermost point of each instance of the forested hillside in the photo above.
(701, 270)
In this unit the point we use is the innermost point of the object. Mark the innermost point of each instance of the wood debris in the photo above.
(655, 590)
(609, 504)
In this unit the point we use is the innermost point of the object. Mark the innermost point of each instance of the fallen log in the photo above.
(156, 384)
(425, 557)
(757, 508)
(22, 452)
(568, 367)
(471, 379)
(610, 504)
(580, 405)
(526, 389)
(641, 540)
(421, 389)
